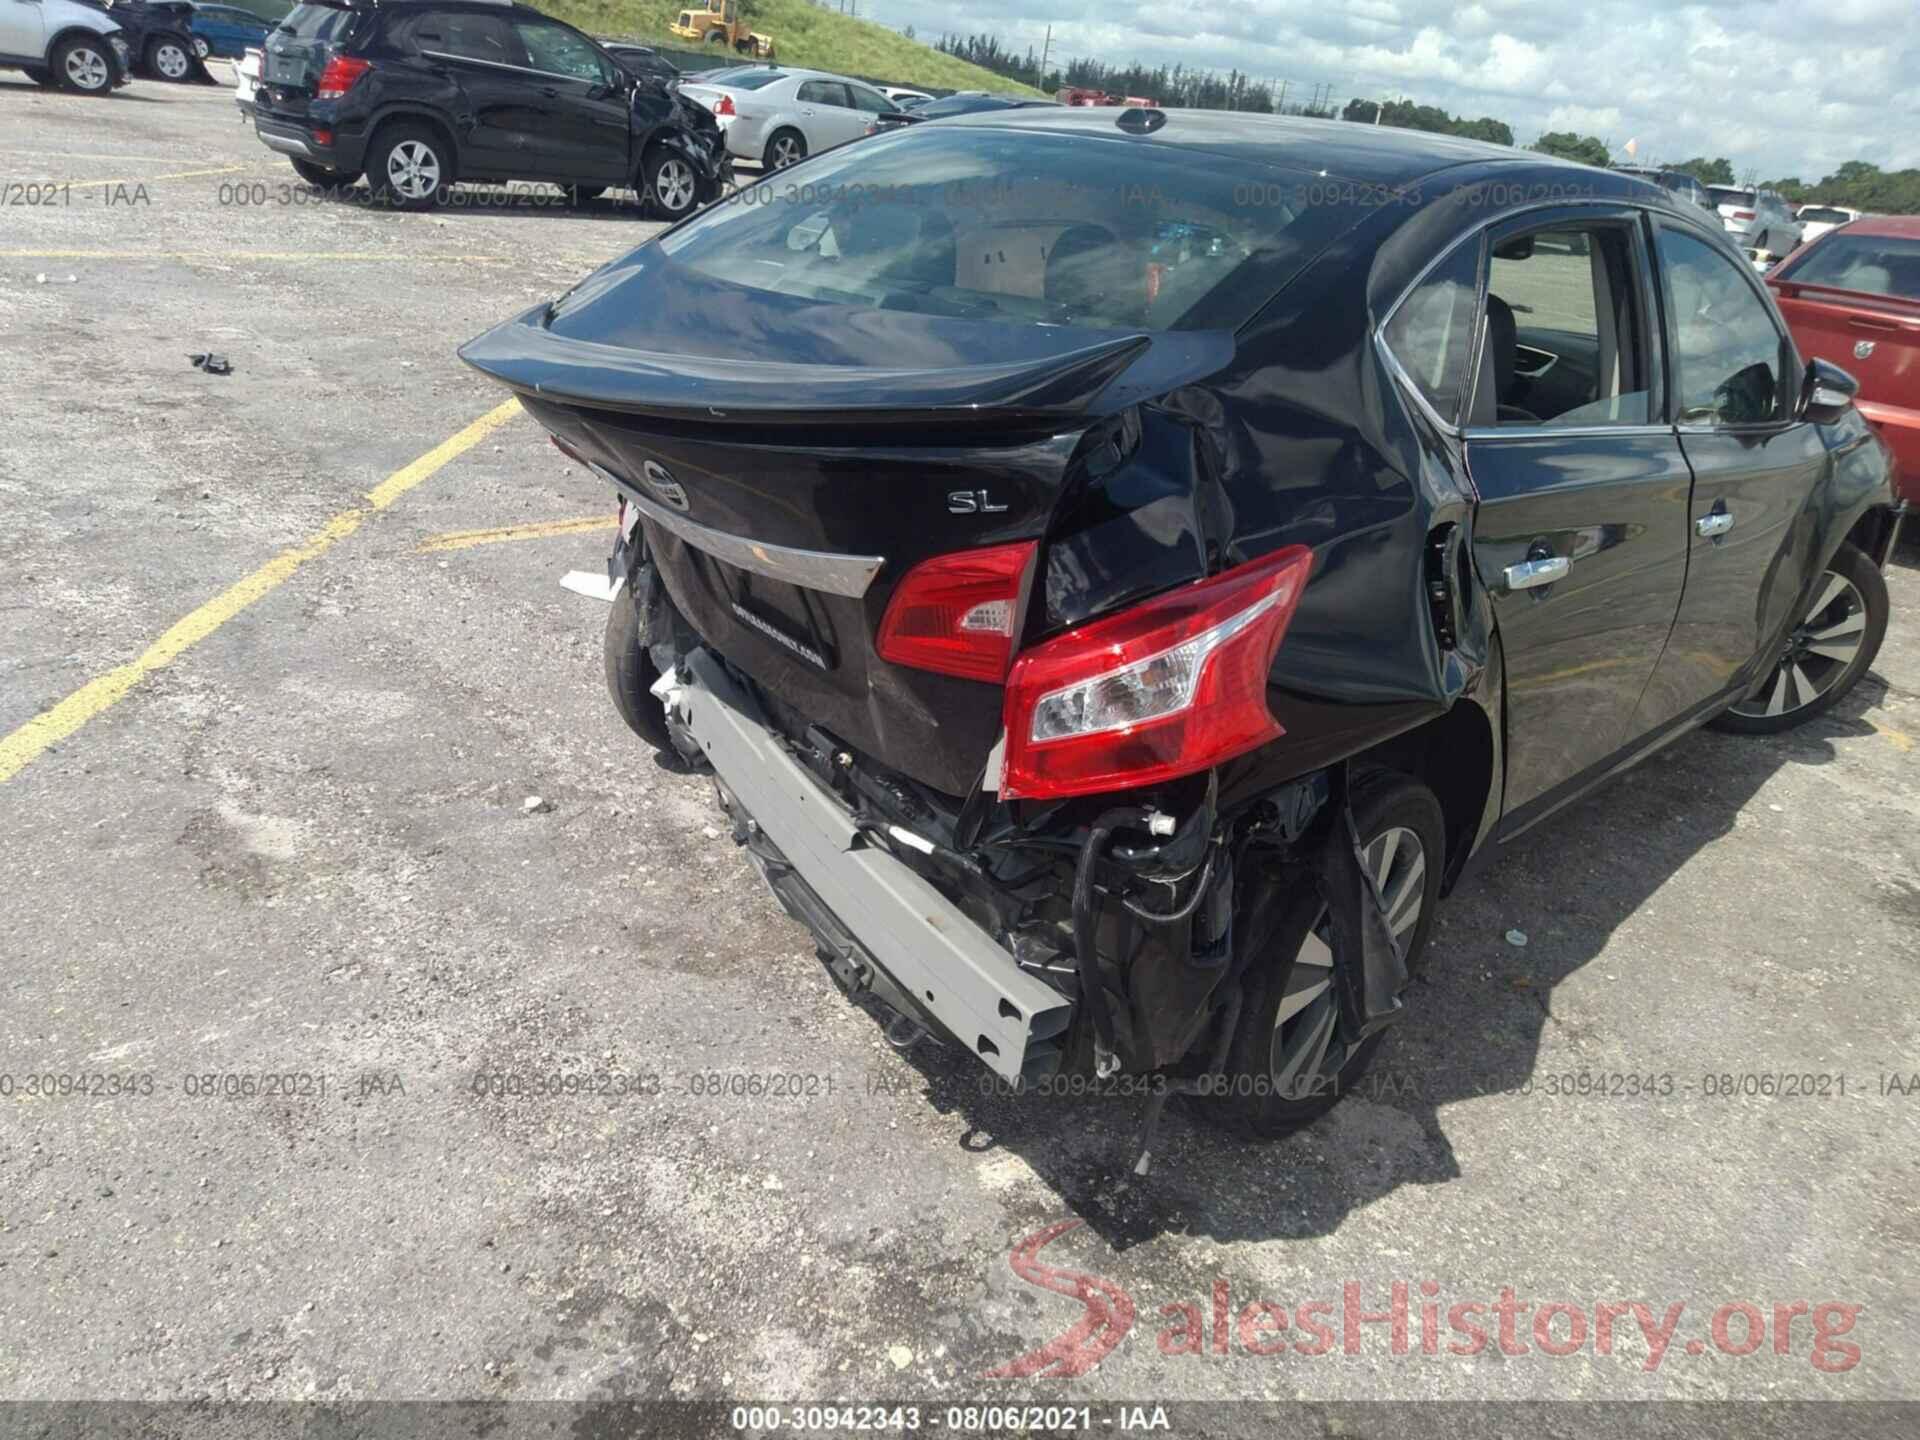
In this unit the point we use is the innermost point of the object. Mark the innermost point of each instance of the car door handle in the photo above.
(552, 92)
(1716, 524)
(1530, 573)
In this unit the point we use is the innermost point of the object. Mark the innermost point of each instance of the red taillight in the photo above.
(1167, 688)
(954, 613)
(341, 74)
(725, 107)
(1743, 214)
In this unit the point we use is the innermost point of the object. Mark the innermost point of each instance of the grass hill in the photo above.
(803, 34)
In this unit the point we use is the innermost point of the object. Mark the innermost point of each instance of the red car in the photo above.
(1853, 297)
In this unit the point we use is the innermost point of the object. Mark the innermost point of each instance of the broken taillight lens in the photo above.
(1167, 688)
(955, 613)
(725, 106)
(341, 74)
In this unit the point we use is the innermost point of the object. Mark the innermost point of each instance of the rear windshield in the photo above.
(1874, 264)
(318, 22)
(746, 79)
(1823, 214)
(1023, 227)
(1723, 195)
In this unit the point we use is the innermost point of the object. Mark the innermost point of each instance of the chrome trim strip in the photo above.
(1551, 432)
(848, 575)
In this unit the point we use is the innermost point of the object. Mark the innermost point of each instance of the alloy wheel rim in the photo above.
(1308, 1050)
(1817, 652)
(87, 69)
(786, 151)
(674, 185)
(170, 61)
(413, 169)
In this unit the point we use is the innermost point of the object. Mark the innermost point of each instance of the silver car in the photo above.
(778, 115)
(1756, 219)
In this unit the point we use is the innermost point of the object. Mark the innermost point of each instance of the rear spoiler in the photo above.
(530, 359)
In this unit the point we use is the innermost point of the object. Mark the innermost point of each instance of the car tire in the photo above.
(631, 674)
(786, 146)
(1275, 1083)
(169, 60)
(321, 176)
(670, 187)
(409, 167)
(84, 65)
(1825, 653)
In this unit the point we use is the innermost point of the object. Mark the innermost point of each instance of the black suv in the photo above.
(418, 94)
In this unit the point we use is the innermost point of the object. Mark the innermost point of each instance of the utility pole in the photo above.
(1041, 79)
(1280, 107)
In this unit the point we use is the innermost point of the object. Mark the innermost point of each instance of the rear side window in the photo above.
(1723, 195)
(1431, 334)
(824, 92)
(330, 23)
(1012, 227)
(1824, 215)
(743, 80)
(463, 35)
(871, 101)
(1872, 264)
(1727, 356)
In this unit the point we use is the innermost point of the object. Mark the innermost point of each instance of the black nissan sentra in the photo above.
(1119, 567)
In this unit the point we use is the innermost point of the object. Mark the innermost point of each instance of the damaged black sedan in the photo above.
(1119, 568)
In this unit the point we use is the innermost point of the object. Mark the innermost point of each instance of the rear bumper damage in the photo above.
(883, 930)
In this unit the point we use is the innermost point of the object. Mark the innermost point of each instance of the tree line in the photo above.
(1858, 184)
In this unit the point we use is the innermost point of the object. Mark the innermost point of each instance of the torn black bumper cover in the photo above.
(890, 932)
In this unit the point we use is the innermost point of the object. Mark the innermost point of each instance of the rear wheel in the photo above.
(169, 60)
(323, 177)
(670, 187)
(83, 65)
(1826, 652)
(784, 148)
(631, 674)
(1291, 1058)
(408, 167)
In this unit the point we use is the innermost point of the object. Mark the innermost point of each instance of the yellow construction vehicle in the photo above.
(724, 26)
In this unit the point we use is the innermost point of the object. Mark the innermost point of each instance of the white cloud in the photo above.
(1777, 89)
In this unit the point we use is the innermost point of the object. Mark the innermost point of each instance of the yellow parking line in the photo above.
(1902, 741)
(146, 179)
(50, 727)
(467, 539)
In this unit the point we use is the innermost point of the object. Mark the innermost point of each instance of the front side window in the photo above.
(1727, 352)
(1431, 334)
(558, 51)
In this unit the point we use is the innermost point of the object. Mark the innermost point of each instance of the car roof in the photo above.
(1378, 154)
(1905, 226)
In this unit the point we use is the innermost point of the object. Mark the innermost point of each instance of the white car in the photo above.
(904, 98)
(246, 80)
(1817, 220)
(778, 115)
(59, 43)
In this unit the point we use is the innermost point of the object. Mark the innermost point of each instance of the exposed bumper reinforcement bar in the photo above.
(922, 943)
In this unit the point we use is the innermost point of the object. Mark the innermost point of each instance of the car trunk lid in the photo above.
(786, 489)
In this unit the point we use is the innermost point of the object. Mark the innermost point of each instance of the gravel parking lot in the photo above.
(285, 891)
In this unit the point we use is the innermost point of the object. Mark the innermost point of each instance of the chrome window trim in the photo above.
(1381, 347)
(847, 575)
(1550, 432)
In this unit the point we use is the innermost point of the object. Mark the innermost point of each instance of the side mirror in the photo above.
(1826, 393)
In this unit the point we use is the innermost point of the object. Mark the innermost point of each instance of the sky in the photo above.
(1780, 89)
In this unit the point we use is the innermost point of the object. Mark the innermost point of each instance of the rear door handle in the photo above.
(1716, 524)
(1530, 573)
